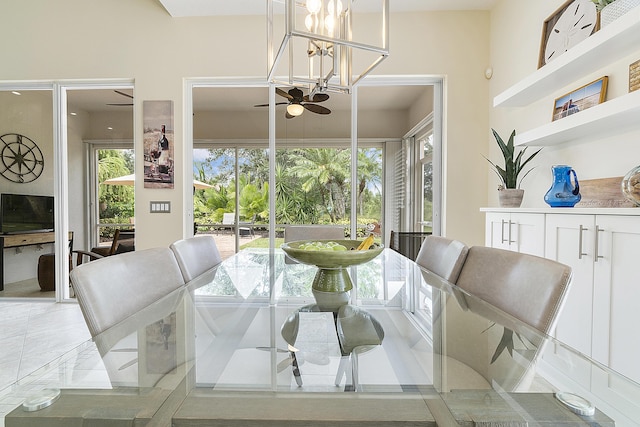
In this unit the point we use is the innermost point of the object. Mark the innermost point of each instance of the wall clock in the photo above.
(21, 159)
(572, 23)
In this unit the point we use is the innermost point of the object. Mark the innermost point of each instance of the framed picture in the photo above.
(158, 144)
(580, 99)
(572, 23)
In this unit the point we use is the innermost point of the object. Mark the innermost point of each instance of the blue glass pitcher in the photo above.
(563, 193)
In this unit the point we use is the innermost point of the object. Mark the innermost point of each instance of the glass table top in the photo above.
(249, 330)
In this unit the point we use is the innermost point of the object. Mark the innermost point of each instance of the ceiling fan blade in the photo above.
(283, 93)
(123, 94)
(318, 97)
(266, 105)
(121, 105)
(318, 109)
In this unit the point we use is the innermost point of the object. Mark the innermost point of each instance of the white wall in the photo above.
(76, 39)
(515, 45)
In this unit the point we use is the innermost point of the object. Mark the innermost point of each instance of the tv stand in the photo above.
(20, 240)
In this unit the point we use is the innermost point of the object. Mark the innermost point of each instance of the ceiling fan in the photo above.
(298, 102)
(122, 104)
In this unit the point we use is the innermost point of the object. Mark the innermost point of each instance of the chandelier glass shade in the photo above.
(325, 45)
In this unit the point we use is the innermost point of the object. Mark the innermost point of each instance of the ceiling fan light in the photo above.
(295, 109)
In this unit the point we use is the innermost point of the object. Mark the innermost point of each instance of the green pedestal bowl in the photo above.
(332, 282)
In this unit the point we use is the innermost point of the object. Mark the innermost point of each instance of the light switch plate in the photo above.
(159, 207)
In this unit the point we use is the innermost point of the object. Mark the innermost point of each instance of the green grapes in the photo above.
(322, 246)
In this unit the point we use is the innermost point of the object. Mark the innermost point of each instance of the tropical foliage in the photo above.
(313, 185)
(116, 201)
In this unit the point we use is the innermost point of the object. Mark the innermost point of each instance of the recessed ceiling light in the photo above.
(73, 114)
(15, 92)
(110, 128)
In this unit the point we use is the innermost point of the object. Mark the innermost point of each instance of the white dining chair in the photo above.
(442, 256)
(196, 255)
(522, 296)
(113, 288)
(527, 287)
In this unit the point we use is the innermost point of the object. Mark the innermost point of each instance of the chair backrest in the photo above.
(228, 218)
(196, 255)
(113, 288)
(442, 256)
(527, 287)
(311, 232)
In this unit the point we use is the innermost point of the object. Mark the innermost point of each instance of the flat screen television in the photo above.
(22, 213)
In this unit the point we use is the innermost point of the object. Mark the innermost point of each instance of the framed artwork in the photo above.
(158, 144)
(572, 23)
(580, 99)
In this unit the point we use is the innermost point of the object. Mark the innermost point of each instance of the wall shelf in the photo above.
(610, 44)
(606, 119)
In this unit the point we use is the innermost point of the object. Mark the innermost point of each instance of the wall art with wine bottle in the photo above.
(158, 144)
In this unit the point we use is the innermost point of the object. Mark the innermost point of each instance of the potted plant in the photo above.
(610, 10)
(509, 191)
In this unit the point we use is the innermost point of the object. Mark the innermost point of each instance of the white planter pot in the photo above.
(614, 10)
(510, 197)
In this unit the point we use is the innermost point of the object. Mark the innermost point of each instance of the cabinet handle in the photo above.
(595, 251)
(510, 224)
(502, 239)
(580, 253)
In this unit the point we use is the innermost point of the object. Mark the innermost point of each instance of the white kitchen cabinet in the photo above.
(616, 294)
(602, 308)
(601, 315)
(570, 240)
(518, 232)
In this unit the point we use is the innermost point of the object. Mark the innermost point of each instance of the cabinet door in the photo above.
(497, 230)
(527, 233)
(519, 232)
(569, 240)
(616, 313)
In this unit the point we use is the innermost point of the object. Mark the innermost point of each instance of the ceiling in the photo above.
(183, 8)
(397, 97)
(244, 99)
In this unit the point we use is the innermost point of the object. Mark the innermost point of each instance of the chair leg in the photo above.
(296, 368)
(354, 370)
(342, 370)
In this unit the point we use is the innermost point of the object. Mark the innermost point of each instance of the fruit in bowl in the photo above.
(331, 253)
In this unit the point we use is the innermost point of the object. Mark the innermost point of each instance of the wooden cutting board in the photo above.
(603, 193)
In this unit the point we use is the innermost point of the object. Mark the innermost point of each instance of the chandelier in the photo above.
(325, 45)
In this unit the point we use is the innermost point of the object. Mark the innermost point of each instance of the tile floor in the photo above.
(34, 333)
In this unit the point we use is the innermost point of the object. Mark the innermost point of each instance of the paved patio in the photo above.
(226, 243)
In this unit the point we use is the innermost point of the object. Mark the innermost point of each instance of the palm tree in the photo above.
(325, 170)
(115, 200)
(369, 173)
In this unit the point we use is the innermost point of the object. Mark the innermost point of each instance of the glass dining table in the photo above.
(246, 344)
